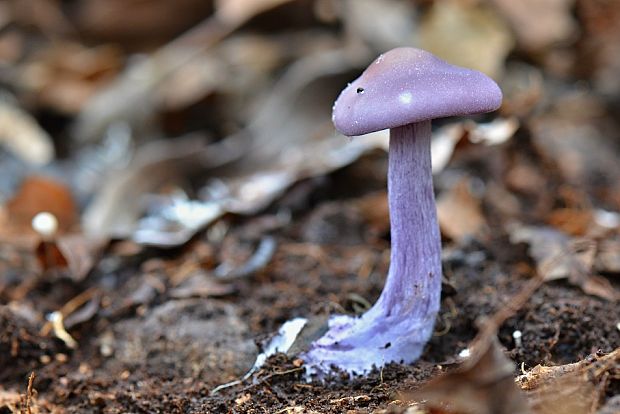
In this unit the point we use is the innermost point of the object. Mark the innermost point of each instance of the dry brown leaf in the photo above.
(467, 35)
(600, 31)
(137, 23)
(459, 212)
(522, 86)
(583, 151)
(573, 221)
(559, 256)
(539, 24)
(374, 209)
(66, 75)
(570, 389)
(483, 385)
(73, 253)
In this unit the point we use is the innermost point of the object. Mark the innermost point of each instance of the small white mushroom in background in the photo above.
(516, 335)
(45, 224)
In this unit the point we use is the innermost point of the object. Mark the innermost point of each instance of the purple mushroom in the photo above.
(403, 90)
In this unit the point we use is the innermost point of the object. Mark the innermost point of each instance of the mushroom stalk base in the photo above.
(400, 323)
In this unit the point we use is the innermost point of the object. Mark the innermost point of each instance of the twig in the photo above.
(61, 333)
(68, 308)
(277, 374)
(259, 260)
(28, 396)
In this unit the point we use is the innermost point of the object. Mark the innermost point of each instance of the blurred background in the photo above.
(178, 149)
(228, 102)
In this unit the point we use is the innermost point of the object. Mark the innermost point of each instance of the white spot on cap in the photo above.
(45, 223)
(405, 98)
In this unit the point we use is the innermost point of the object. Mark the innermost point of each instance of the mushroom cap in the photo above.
(407, 85)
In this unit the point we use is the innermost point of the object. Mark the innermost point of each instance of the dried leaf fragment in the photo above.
(467, 35)
(559, 256)
(484, 385)
(570, 389)
(539, 24)
(74, 253)
(459, 212)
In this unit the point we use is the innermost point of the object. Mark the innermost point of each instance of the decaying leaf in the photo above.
(539, 24)
(290, 138)
(559, 256)
(117, 206)
(73, 253)
(570, 389)
(136, 23)
(581, 147)
(608, 256)
(132, 97)
(483, 385)
(459, 212)
(466, 34)
(66, 75)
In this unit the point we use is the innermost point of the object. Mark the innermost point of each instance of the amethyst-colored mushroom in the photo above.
(402, 90)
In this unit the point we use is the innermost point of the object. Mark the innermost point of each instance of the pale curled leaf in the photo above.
(281, 342)
(239, 11)
(22, 135)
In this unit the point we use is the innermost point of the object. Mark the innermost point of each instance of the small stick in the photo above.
(29, 392)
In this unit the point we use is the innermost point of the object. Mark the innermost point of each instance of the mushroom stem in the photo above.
(413, 284)
(400, 323)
